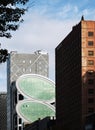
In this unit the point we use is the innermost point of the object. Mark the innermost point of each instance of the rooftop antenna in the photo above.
(82, 18)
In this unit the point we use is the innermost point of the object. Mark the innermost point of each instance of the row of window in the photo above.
(90, 81)
(90, 34)
(24, 61)
(90, 52)
(38, 69)
(90, 62)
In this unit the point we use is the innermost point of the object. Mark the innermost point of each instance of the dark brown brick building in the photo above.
(75, 76)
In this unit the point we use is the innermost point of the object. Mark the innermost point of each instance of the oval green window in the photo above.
(36, 87)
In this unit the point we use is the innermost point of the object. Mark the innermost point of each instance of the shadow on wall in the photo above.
(88, 97)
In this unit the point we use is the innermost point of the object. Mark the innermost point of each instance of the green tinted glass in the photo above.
(31, 111)
(37, 88)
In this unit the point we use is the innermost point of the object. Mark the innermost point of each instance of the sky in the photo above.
(46, 24)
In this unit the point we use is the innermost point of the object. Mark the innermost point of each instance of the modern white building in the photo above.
(39, 94)
(17, 65)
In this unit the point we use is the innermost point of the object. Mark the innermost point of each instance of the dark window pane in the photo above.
(90, 43)
(90, 53)
(90, 110)
(90, 81)
(20, 121)
(19, 127)
(20, 97)
(90, 72)
(16, 97)
(90, 33)
(90, 62)
(90, 91)
(15, 118)
(90, 100)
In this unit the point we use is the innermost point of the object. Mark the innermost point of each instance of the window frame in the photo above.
(90, 81)
(90, 33)
(90, 62)
(90, 43)
(91, 100)
(90, 53)
(90, 72)
(90, 110)
(90, 91)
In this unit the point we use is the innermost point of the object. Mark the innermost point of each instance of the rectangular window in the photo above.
(90, 62)
(20, 128)
(90, 53)
(15, 120)
(90, 110)
(15, 97)
(90, 72)
(90, 43)
(20, 121)
(90, 91)
(21, 97)
(90, 100)
(90, 33)
(91, 81)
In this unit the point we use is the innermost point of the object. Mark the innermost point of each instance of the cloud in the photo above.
(89, 13)
(44, 28)
(39, 33)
